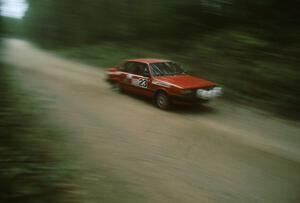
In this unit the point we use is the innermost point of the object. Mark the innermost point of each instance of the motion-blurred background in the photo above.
(250, 47)
(66, 137)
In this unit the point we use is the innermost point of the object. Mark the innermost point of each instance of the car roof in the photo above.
(148, 60)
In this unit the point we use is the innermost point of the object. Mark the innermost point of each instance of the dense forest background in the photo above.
(250, 47)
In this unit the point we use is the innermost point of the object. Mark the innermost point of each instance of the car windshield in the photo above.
(166, 68)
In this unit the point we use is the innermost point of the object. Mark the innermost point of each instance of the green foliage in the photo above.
(12, 27)
(106, 54)
(56, 22)
(29, 170)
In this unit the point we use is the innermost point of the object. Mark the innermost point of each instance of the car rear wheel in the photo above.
(162, 100)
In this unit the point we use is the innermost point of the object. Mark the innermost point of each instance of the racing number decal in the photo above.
(141, 82)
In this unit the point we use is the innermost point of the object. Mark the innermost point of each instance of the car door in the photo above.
(140, 79)
(127, 69)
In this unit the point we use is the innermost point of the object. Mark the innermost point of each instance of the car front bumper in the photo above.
(198, 95)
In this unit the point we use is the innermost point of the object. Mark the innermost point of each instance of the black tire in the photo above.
(162, 100)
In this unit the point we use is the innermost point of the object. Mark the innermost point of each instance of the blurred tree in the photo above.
(68, 22)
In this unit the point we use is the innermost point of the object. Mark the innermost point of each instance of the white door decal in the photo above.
(141, 82)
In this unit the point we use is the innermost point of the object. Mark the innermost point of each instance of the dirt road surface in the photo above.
(129, 151)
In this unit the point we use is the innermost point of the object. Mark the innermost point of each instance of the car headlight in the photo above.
(209, 94)
(217, 91)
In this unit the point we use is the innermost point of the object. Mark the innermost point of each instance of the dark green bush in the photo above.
(29, 170)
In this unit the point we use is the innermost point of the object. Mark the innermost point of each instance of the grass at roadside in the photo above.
(257, 81)
(30, 170)
(106, 54)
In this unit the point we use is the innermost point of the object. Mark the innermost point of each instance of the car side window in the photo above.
(128, 67)
(142, 69)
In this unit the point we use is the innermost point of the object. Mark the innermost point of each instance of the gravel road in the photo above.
(127, 150)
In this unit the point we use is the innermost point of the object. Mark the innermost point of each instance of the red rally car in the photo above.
(162, 80)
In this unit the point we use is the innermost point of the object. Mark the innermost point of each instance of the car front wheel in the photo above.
(162, 100)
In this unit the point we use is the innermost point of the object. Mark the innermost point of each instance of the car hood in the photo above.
(185, 81)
